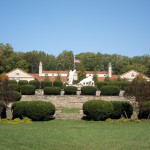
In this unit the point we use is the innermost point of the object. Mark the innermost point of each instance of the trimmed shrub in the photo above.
(16, 96)
(36, 83)
(52, 90)
(144, 111)
(23, 82)
(12, 81)
(98, 109)
(27, 89)
(122, 108)
(124, 85)
(45, 83)
(70, 90)
(110, 90)
(35, 110)
(88, 90)
(127, 109)
(101, 84)
(57, 83)
(14, 87)
(117, 110)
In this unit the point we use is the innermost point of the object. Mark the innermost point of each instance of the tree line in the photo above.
(90, 61)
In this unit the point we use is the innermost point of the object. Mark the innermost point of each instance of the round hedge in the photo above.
(16, 96)
(35, 110)
(12, 81)
(45, 84)
(52, 90)
(88, 90)
(110, 90)
(14, 87)
(36, 83)
(101, 84)
(98, 109)
(57, 83)
(70, 90)
(27, 89)
(127, 109)
(144, 111)
(23, 82)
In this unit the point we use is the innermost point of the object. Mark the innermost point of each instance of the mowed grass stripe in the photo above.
(75, 135)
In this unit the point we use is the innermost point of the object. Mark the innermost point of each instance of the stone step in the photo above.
(68, 116)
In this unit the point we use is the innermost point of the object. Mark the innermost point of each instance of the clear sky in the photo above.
(106, 26)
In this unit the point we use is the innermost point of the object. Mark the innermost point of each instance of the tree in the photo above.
(65, 60)
(139, 88)
(6, 94)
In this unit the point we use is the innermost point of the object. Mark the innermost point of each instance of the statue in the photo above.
(87, 81)
(70, 77)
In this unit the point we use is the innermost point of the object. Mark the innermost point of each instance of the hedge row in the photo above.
(35, 110)
(101, 110)
(36, 83)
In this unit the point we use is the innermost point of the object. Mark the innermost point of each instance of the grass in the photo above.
(75, 135)
(69, 110)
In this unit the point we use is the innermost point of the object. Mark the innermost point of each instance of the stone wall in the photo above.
(72, 100)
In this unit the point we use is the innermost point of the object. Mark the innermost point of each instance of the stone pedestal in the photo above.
(62, 93)
(121, 93)
(98, 93)
(78, 92)
(9, 113)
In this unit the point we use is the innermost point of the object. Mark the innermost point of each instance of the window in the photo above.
(46, 74)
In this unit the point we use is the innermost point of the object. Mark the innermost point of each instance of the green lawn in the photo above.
(75, 135)
(69, 110)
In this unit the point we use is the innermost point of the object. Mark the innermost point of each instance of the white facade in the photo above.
(18, 74)
(130, 75)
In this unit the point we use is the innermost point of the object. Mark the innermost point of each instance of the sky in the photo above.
(107, 26)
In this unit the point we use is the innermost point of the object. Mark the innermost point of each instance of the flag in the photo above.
(76, 60)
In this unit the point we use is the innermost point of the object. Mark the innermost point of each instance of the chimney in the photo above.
(40, 69)
(109, 70)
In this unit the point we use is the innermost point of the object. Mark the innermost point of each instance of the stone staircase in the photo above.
(65, 116)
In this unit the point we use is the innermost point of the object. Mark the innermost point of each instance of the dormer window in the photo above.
(132, 75)
(17, 74)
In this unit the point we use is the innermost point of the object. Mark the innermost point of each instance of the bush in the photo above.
(46, 83)
(57, 83)
(35, 110)
(127, 109)
(52, 90)
(27, 90)
(14, 87)
(122, 108)
(117, 109)
(110, 90)
(70, 90)
(23, 82)
(36, 83)
(12, 81)
(144, 111)
(88, 90)
(98, 109)
(101, 84)
(16, 96)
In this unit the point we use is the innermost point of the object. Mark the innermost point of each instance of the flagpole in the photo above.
(74, 63)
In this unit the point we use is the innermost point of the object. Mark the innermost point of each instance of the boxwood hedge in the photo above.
(98, 109)
(16, 96)
(52, 90)
(27, 89)
(36, 83)
(70, 90)
(110, 90)
(88, 90)
(35, 110)
(14, 86)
